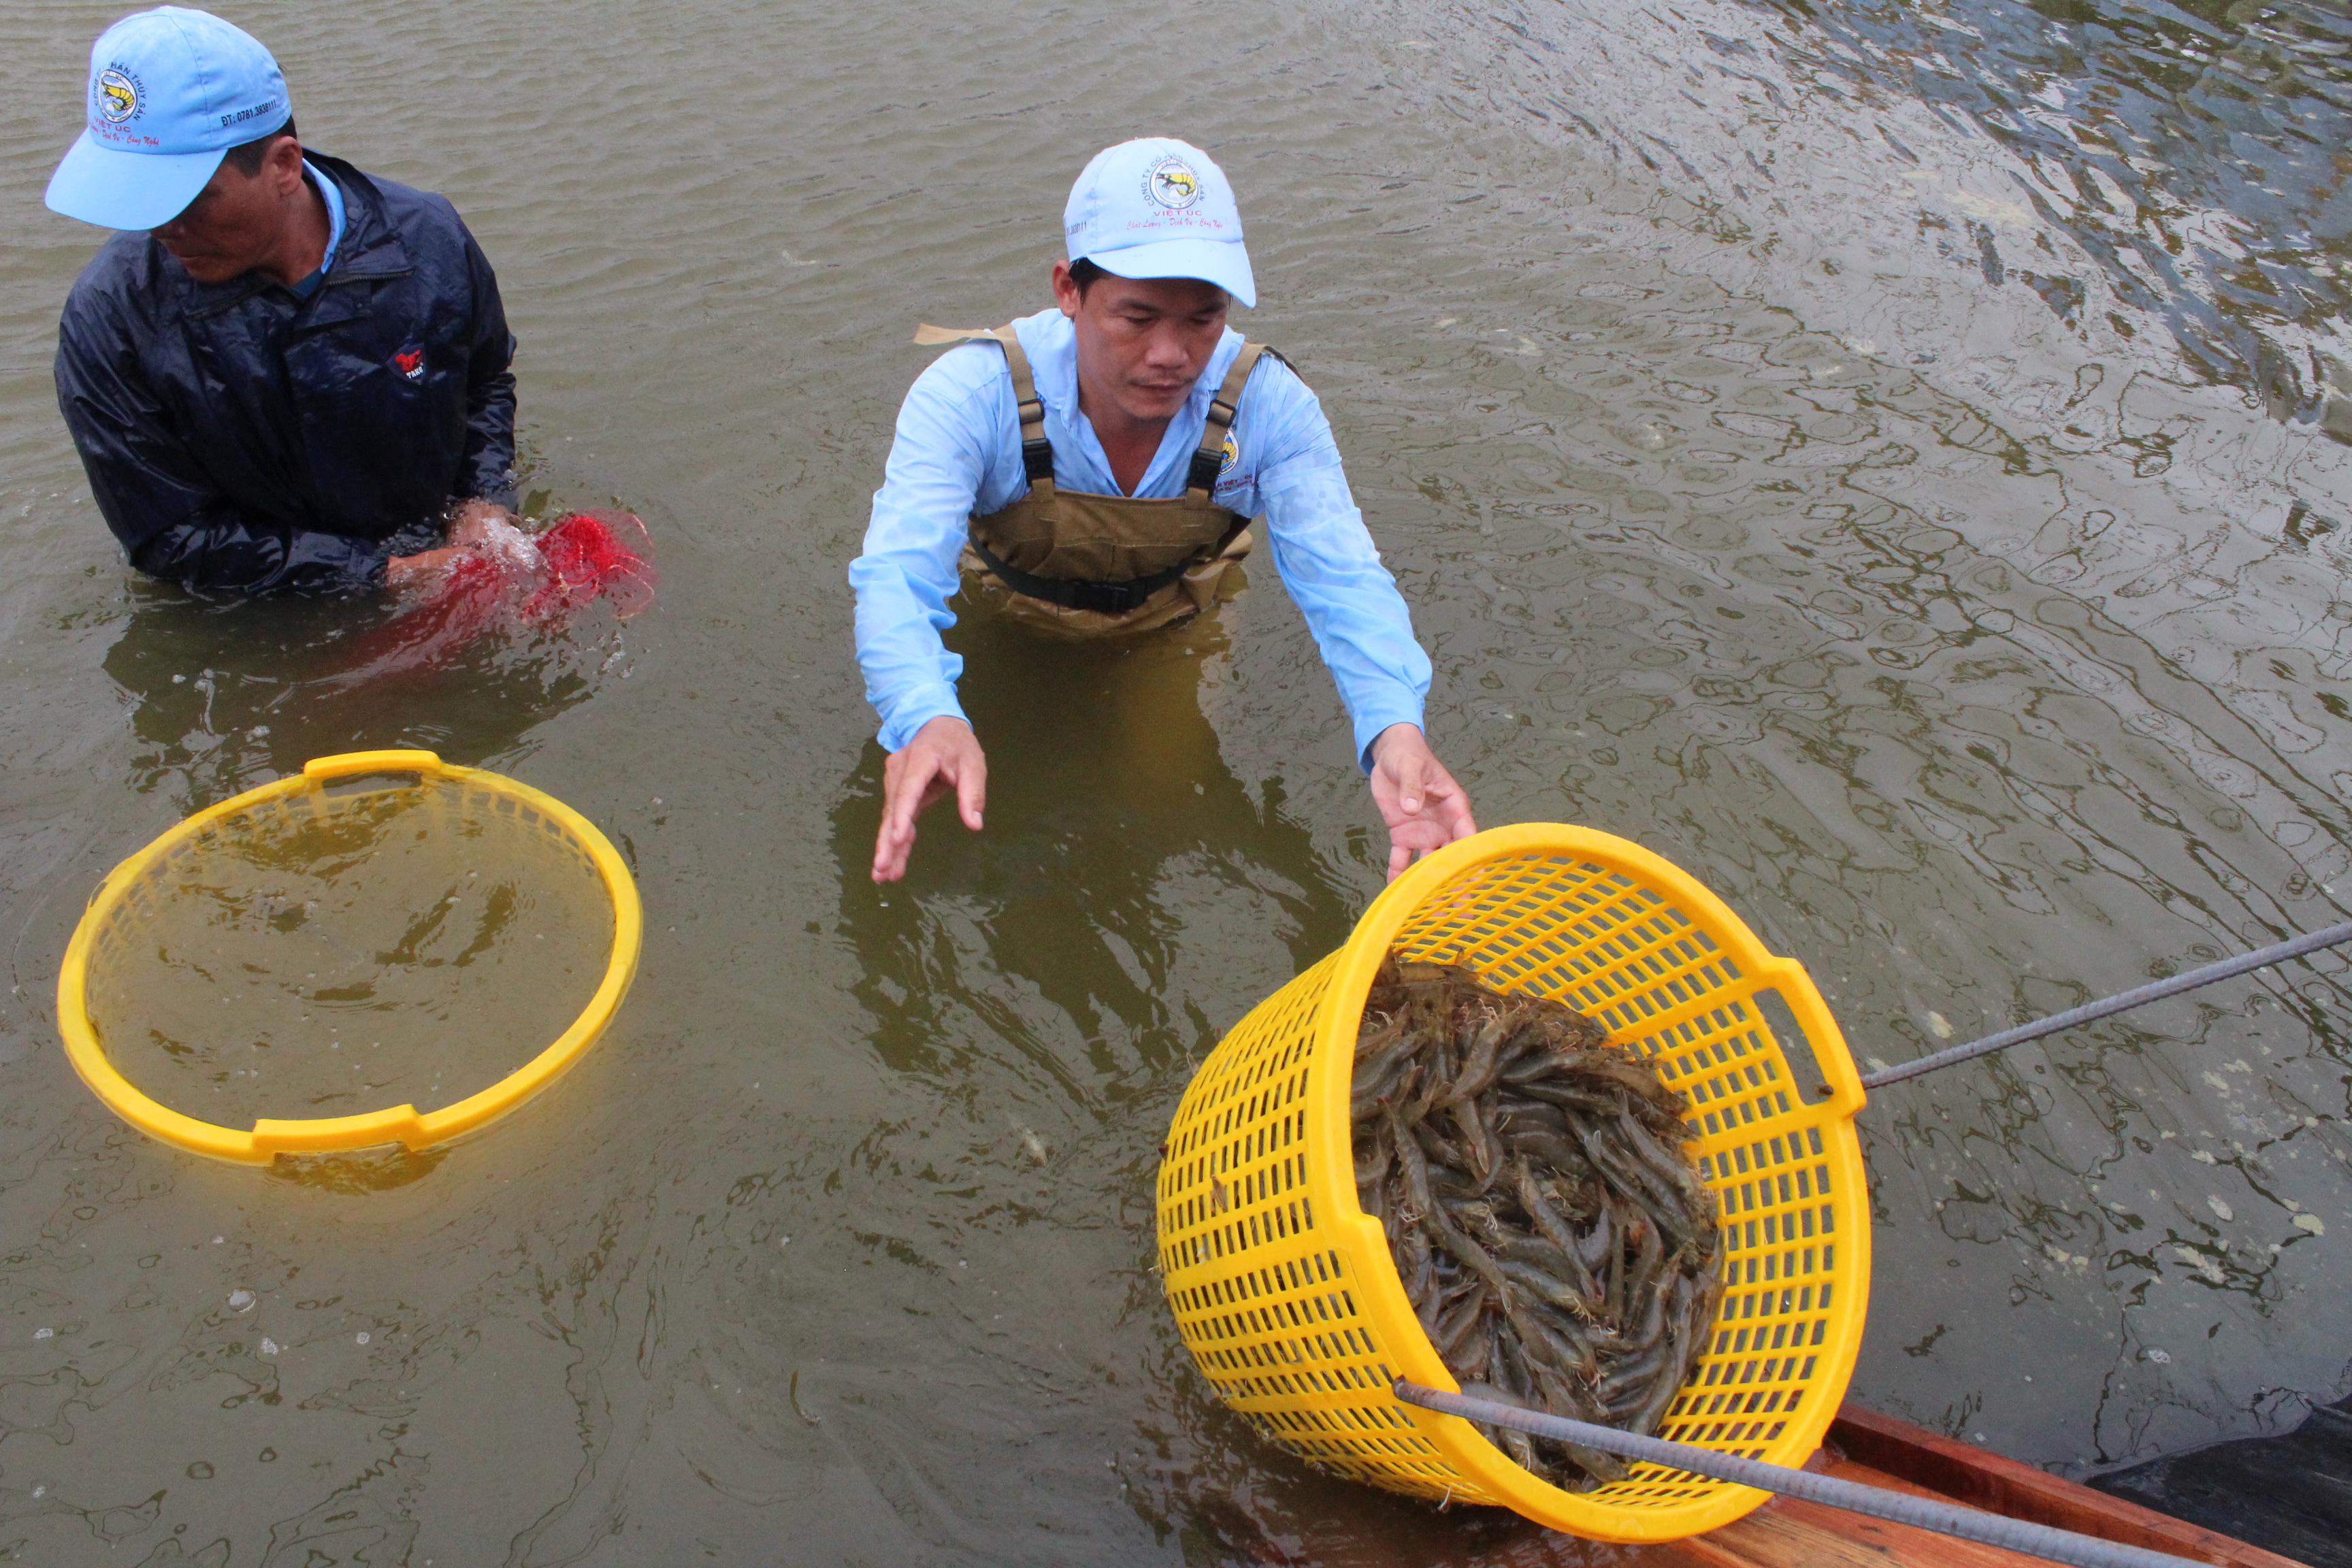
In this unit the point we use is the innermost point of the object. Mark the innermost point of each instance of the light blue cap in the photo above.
(1157, 207)
(171, 91)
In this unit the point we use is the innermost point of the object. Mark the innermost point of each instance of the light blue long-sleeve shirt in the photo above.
(958, 453)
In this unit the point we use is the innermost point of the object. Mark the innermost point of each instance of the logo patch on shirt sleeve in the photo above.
(1230, 454)
(410, 363)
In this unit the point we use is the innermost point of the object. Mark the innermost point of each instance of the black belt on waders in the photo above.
(1201, 539)
(1106, 598)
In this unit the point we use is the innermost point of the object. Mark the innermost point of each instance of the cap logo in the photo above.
(117, 95)
(1170, 182)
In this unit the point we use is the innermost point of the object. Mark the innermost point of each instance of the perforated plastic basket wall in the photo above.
(1284, 1291)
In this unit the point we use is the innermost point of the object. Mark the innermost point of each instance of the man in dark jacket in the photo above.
(297, 378)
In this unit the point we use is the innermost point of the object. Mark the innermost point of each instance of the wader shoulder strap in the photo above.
(1119, 598)
(1036, 452)
(1210, 458)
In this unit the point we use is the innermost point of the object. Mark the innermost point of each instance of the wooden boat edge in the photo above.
(1982, 1479)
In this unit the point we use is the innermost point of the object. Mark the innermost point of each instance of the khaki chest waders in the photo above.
(1103, 566)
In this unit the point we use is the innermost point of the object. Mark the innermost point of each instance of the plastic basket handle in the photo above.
(1839, 1074)
(333, 1134)
(350, 763)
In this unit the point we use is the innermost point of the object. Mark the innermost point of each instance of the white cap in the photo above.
(1157, 207)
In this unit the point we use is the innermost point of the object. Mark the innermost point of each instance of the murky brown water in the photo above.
(1826, 515)
(327, 955)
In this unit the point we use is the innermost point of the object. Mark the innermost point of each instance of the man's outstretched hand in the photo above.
(473, 527)
(943, 758)
(1419, 800)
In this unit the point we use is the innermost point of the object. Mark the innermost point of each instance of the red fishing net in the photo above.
(589, 556)
(535, 582)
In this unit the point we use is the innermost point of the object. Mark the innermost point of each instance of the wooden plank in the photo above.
(1985, 1479)
(1787, 1532)
(1880, 1451)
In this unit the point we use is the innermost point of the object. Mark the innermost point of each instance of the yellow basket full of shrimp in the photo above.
(1554, 1129)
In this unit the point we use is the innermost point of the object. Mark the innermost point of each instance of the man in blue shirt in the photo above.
(1099, 462)
(282, 375)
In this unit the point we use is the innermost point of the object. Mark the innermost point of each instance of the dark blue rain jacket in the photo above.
(244, 440)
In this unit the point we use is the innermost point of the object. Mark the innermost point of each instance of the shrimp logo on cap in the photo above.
(117, 95)
(1170, 182)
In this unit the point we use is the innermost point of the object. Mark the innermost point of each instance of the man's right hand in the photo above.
(473, 523)
(473, 527)
(943, 757)
(407, 570)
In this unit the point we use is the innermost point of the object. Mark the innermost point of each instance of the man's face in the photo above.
(239, 220)
(1142, 343)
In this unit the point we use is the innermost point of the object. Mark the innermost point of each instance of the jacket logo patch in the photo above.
(410, 363)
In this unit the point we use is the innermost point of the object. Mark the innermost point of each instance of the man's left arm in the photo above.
(485, 467)
(1359, 622)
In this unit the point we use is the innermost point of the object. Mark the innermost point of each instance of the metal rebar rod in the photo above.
(2138, 997)
(1921, 1513)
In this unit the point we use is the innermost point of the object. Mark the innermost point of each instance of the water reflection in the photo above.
(360, 1171)
(1223, 1506)
(1115, 831)
(2104, 183)
(2194, 150)
(224, 696)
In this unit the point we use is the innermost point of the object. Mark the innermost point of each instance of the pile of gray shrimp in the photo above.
(1561, 1252)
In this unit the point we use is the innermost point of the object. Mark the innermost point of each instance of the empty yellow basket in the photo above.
(119, 921)
(1284, 1291)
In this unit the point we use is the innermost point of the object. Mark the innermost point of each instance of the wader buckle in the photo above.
(1037, 459)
